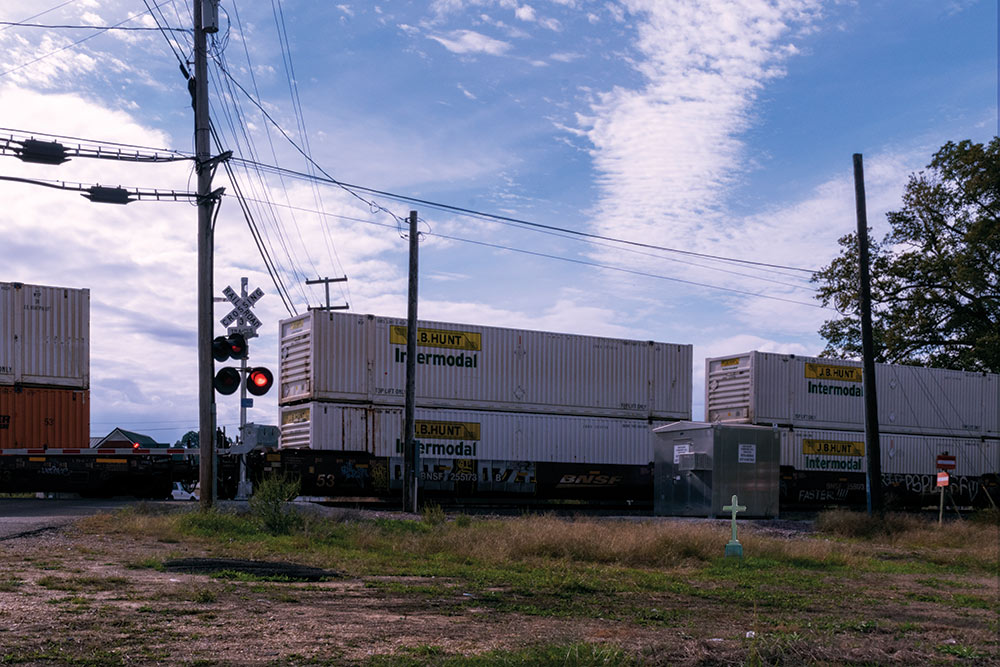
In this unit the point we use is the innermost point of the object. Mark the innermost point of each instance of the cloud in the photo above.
(525, 13)
(470, 41)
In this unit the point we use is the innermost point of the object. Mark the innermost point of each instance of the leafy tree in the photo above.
(189, 439)
(935, 280)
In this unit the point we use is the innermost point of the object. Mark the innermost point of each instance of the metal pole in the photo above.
(941, 507)
(410, 460)
(206, 366)
(873, 478)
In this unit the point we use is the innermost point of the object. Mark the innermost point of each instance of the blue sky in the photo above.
(717, 127)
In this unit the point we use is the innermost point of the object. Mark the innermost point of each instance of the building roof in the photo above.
(133, 438)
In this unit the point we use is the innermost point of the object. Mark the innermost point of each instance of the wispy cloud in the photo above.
(666, 150)
(470, 41)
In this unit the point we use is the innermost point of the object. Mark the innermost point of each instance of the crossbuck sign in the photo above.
(247, 323)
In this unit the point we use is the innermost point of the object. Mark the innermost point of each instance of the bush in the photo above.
(433, 515)
(268, 508)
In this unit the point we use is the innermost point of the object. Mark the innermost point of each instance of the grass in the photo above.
(562, 655)
(798, 594)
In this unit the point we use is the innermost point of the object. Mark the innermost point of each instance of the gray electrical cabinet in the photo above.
(698, 467)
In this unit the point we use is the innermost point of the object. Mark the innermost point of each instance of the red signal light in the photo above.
(233, 346)
(237, 346)
(227, 380)
(135, 445)
(259, 381)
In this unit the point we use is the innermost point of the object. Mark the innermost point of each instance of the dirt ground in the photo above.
(72, 598)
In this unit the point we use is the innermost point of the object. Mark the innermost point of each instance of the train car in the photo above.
(468, 454)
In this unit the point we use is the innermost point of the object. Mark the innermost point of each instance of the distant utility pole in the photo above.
(411, 456)
(206, 365)
(873, 477)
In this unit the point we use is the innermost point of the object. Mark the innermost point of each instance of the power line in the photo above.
(536, 225)
(35, 16)
(100, 31)
(86, 27)
(100, 142)
(599, 265)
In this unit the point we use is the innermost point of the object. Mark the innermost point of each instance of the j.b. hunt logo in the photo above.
(452, 340)
(469, 341)
(833, 372)
(441, 430)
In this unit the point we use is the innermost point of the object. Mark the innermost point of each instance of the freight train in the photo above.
(45, 406)
(503, 415)
(508, 415)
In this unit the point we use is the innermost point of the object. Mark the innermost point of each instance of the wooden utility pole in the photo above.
(411, 457)
(873, 477)
(206, 365)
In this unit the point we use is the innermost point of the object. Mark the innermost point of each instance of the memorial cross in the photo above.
(734, 548)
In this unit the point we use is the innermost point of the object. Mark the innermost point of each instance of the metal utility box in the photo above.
(698, 467)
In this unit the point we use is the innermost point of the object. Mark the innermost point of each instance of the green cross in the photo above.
(734, 508)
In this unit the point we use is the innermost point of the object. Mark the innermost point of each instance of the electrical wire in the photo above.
(609, 267)
(85, 27)
(97, 141)
(35, 16)
(100, 31)
(537, 225)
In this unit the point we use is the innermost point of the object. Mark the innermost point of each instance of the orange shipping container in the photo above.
(52, 418)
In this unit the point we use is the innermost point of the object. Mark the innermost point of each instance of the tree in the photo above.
(189, 439)
(935, 280)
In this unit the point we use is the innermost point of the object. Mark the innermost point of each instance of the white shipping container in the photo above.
(814, 450)
(361, 359)
(766, 388)
(469, 434)
(44, 336)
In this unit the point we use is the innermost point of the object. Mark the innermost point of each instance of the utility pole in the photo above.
(206, 366)
(410, 454)
(873, 477)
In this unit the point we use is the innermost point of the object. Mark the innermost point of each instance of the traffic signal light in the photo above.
(259, 380)
(233, 346)
(227, 380)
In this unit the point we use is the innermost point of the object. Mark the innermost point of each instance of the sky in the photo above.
(723, 128)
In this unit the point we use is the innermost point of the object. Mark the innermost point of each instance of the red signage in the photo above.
(945, 462)
(942, 479)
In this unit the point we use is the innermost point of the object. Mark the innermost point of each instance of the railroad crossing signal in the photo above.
(234, 346)
(247, 322)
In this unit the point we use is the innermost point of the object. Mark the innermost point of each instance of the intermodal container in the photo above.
(788, 390)
(32, 418)
(362, 359)
(44, 336)
(468, 434)
(836, 451)
(830, 466)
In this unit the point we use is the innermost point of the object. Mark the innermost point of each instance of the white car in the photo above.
(179, 492)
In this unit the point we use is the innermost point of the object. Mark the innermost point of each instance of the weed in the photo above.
(959, 651)
(433, 515)
(463, 521)
(150, 563)
(204, 596)
(82, 583)
(10, 584)
(268, 505)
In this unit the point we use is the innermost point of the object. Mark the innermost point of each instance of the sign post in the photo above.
(944, 464)
(246, 324)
